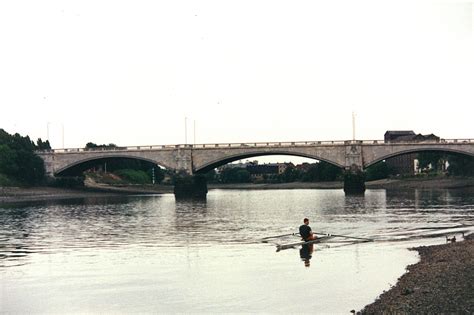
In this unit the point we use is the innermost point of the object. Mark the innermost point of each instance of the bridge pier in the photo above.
(190, 187)
(354, 182)
(354, 177)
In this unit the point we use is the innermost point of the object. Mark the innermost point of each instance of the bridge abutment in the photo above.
(190, 187)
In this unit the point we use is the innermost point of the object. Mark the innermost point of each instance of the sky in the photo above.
(133, 72)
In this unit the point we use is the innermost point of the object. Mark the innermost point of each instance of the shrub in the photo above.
(134, 176)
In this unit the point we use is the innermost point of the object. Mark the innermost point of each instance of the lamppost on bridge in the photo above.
(185, 130)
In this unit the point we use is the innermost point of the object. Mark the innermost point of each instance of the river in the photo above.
(154, 254)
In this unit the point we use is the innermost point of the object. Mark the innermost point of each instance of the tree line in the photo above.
(19, 165)
(315, 172)
(458, 164)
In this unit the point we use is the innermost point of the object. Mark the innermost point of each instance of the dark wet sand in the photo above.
(21, 194)
(441, 283)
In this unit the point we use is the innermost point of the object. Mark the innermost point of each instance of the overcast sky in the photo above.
(129, 72)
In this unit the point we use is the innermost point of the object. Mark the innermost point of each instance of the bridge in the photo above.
(354, 155)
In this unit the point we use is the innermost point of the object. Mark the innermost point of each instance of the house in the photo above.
(396, 136)
(266, 171)
(236, 165)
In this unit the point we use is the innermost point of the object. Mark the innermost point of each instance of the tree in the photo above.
(329, 172)
(235, 175)
(159, 174)
(40, 145)
(211, 176)
(435, 159)
(461, 165)
(379, 170)
(322, 171)
(18, 159)
(291, 174)
(8, 165)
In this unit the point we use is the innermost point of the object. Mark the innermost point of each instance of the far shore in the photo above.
(21, 194)
(411, 183)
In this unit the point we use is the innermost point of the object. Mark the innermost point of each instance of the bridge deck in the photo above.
(258, 145)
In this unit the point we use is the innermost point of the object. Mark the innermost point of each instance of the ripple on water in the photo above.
(146, 246)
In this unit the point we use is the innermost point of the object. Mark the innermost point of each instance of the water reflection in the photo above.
(227, 217)
(306, 252)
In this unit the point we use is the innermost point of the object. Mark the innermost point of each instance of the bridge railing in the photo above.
(440, 141)
(256, 144)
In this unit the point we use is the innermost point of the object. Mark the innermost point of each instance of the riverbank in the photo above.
(422, 183)
(22, 194)
(293, 185)
(410, 183)
(442, 282)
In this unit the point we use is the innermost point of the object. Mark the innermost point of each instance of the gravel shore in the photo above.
(441, 283)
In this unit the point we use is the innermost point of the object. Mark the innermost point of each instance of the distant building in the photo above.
(398, 135)
(267, 171)
(406, 164)
(304, 167)
(236, 165)
(393, 136)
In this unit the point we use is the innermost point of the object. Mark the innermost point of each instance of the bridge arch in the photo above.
(417, 150)
(235, 157)
(77, 164)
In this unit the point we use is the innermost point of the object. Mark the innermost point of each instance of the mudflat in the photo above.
(22, 194)
(410, 183)
(442, 282)
(19, 194)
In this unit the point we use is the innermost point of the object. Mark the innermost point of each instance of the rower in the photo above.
(306, 232)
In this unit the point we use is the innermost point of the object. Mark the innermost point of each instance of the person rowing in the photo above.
(306, 232)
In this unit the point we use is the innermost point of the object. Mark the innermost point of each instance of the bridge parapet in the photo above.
(256, 145)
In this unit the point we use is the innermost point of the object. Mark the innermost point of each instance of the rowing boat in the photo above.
(291, 245)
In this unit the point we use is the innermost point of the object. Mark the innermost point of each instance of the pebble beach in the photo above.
(442, 282)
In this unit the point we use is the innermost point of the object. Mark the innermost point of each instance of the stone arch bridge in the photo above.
(195, 159)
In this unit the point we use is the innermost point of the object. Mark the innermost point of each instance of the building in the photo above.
(267, 171)
(406, 164)
(393, 136)
(304, 167)
(398, 135)
(236, 165)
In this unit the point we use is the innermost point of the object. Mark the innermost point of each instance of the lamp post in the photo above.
(185, 130)
(47, 131)
(62, 129)
(353, 127)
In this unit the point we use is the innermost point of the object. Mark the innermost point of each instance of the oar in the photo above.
(277, 236)
(345, 236)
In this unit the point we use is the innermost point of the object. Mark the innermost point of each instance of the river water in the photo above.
(154, 254)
